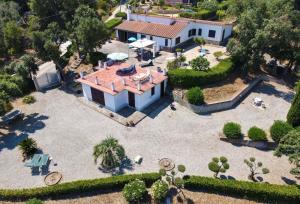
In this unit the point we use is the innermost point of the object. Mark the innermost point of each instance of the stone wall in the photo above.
(220, 106)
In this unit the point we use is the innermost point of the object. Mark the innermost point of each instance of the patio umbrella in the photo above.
(132, 39)
(117, 56)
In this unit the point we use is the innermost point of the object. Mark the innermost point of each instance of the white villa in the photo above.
(170, 33)
(121, 85)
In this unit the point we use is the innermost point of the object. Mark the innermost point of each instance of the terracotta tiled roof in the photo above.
(108, 76)
(155, 29)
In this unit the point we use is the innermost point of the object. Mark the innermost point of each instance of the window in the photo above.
(177, 40)
(166, 42)
(143, 36)
(211, 33)
(152, 91)
(200, 32)
(151, 37)
(192, 32)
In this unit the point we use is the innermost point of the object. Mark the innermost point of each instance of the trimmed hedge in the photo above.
(258, 191)
(113, 23)
(187, 78)
(279, 129)
(232, 130)
(195, 96)
(110, 183)
(257, 134)
(122, 15)
(201, 14)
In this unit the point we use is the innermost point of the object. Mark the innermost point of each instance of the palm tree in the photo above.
(28, 147)
(200, 41)
(110, 151)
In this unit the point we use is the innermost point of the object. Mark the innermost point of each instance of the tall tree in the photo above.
(13, 37)
(293, 116)
(88, 29)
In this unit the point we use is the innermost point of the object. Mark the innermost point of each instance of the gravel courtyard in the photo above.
(67, 130)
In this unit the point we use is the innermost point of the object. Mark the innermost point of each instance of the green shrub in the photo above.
(257, 134)
(113, 23)
(187, 78)
(77, 187)
(201, 14)
(122, 15)
(232, 130)
(279, 129)
(28, 147)
(28, 99)
(34, 201)
(134, 191)
(195, 96)
(159, 190)
(200, 64)
(293, 116)
(94, 57)
(258, 191)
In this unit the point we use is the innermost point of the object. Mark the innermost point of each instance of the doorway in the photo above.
(98, 96)
(131, 99)
(162, 89)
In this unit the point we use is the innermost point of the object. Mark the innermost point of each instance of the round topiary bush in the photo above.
(232, 130)
(195, 96)
(28, 99)
(257, 134)
(134, 191)
(279, 129)
(159, 190)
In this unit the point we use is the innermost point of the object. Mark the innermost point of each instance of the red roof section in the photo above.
(156, 29)
(109, 75)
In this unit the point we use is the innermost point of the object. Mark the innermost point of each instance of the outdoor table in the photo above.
(38, 160)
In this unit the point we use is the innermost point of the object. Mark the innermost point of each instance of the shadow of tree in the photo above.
(126, 164)
(288, 181)
(269, 89)
(30, 124)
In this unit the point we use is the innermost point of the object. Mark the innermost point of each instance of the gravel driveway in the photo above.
(67, 130)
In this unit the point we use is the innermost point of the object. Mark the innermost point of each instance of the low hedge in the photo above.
(122, 15)
(257, 134)
(187, 78)
(113, 23)
(258, 191)
(110, 184)
(201, 14)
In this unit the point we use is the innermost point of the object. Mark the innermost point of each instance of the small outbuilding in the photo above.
(123, 85)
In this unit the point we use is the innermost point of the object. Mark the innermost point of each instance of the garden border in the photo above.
(219, 106)
(241, 189)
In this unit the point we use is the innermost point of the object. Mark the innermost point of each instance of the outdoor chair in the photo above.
(147, 63)
(110, 62)
(127, 70)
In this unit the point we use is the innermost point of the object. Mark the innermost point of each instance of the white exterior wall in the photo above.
(109, 102)
(121, 100)
(145, 99)
(87, 93)
(184, 34)
(151, 19)
(228, 31)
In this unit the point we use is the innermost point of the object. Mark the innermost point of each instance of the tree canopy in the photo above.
(265, 27)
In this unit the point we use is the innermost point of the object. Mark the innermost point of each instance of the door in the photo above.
(98, 96)
(223, 35)
(162, 89)
(131, 99)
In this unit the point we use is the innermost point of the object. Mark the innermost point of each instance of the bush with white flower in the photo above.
(134, 191)
(159, 190)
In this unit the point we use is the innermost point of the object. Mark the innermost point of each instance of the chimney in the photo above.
(128, 12)
(124, 81)
(164, 72)
(81, 75)
(97, 81)
(151, 79)
(139, 86)
(99, 64)
(113, 87)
